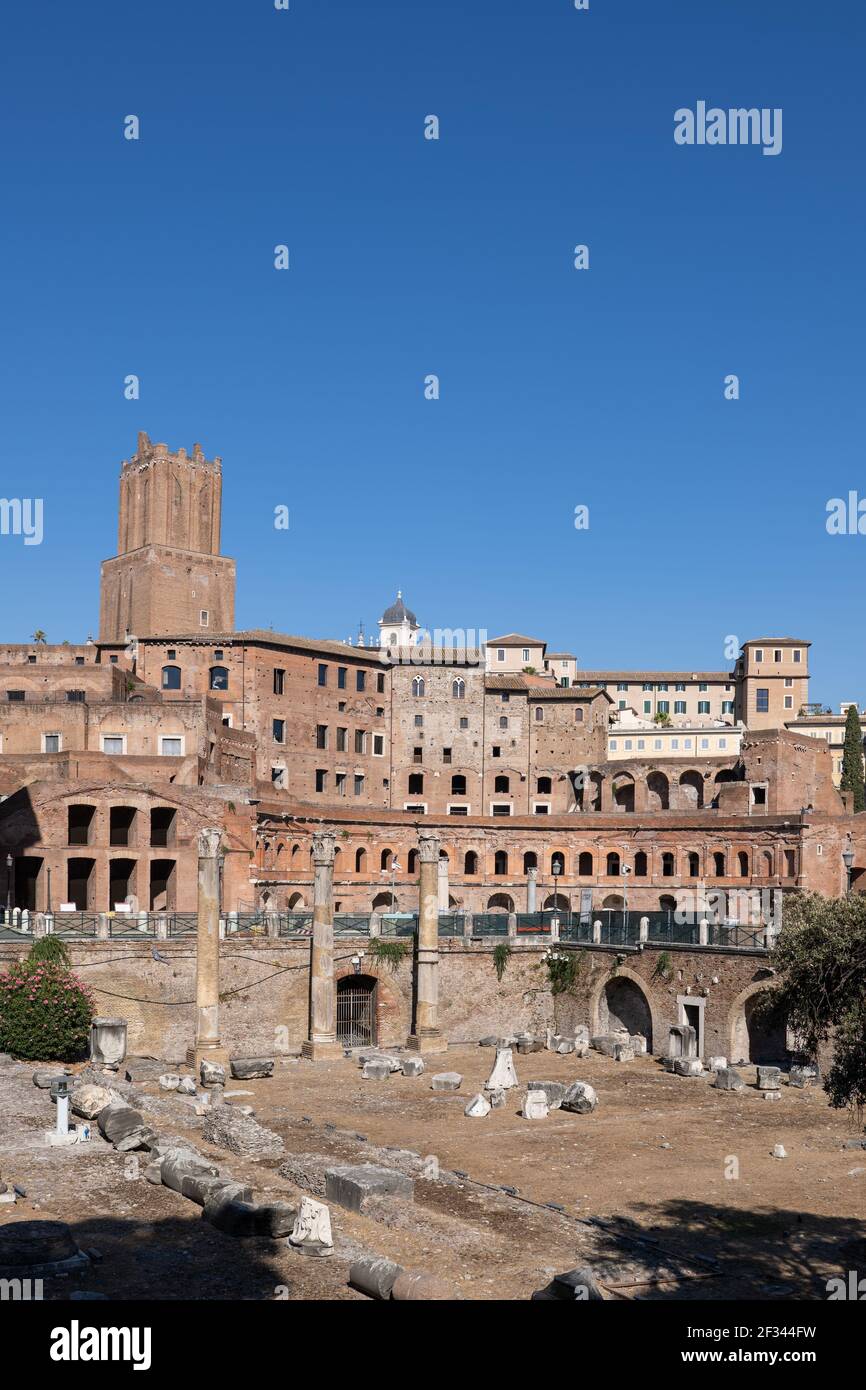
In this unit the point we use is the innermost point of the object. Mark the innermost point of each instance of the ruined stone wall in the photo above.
(264, 987)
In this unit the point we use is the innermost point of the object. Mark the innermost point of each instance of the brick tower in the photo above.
(168, 576)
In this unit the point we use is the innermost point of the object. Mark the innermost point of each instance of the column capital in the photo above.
(324, 843)
(209, 840)
(428, 846)
(532, 872)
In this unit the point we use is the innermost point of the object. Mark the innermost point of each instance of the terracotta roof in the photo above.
(571, 693)
(638, 677)
(515, 639)
(261, 636)
(781, 641)
(560, 656)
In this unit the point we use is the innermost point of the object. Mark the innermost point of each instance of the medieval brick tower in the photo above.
(168, 576)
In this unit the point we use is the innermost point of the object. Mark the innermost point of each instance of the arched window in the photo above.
(417, 685)
(412, 861)
(501, 784)
(296, 849)
(458, 784)
(385, 859)
(612, 864)
(578, 714)
(768, 863)
(458, 688)
(219, 678)
(743, 864)
(500, 862)
(360, 860)
(470, 862)
(640, 864)
(584, 864)
(503, 721)
(694, 864)
(557, 863)
(544, 786)
(530, 860)
(539, 714)
(719, 864)
(171, 678)
(667, 865)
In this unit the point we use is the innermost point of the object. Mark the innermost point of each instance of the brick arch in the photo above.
(736, 1032)
(391, 1012)
(625, 973)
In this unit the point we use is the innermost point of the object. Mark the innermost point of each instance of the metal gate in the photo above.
(356, 1011)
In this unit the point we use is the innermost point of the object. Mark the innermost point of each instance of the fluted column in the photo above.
(322, 1041)
(208, 1044)
(427, 1036)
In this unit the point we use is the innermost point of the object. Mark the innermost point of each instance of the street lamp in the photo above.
(848, 861)
(556, 870)
(625, 871)
(9, 866)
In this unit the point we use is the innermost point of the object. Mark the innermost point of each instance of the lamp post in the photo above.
(555, 870)
(9, 866)
(848, 861)
(625, 871)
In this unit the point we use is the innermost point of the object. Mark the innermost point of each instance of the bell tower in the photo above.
(168, 577)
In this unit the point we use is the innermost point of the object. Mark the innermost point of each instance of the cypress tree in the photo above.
(852, 759)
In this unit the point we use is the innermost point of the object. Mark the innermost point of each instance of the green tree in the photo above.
(820, 957)
(852, 758)
(39, 636)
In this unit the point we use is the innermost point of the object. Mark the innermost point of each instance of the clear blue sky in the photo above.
(454, 257)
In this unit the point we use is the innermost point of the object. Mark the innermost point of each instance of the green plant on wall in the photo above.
(662, 968)
(390, 953)
(501, 954)
(564, 969)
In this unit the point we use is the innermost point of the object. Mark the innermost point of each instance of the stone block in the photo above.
(803, 1076)
(490, 1041)
(477, 1107)
(769, 1078)
(525, 1046)
(179, 1165)
(580, 1098)
(623, 1053)
(228, 1129)
(88, 1101)
(169, 1081)
(198, 1187)
(351, 1185)
(140, 1069)
(186, 1086)
(637, 1042)
(217, 1201)
(413, 1066)
(374, 1277)
(119, 1121)
(683, 1041)
(606, 1043)
(727, 1079)
(212, 1074)
(503, 1076)
(45, 1079)
(576, 1286)
(553, 1091)
(535, 1106)
(717, 1064)
(446, 1081)
(497, 1099)
(249, 1068)
(688, 1066)
(375, 1070)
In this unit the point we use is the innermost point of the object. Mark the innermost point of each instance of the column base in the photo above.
(433, 1042)
(321, 1051)
(214, 1052)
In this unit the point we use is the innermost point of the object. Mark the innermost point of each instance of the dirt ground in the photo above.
(666, 1169)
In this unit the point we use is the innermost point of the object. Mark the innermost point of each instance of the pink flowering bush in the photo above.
(45, 1012)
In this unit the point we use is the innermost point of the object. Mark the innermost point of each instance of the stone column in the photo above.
(208, 1044)
(442, 882)
(427, 1036)
(531, 889)
(322, 1042)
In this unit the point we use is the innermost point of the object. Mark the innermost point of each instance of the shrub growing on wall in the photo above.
(45, 1010)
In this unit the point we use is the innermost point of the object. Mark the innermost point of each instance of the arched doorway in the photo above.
(623, 1004)
(356, 1011)
(500, 902)
(760, 1032)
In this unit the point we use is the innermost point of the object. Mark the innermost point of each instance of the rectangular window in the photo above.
(419, 721)
(323, 674)
(278, 777)
(203, 618)
(621, 705)
(279, 727)
(359, 784)
(75, 696)
(702, 685)
(14, 695)
(540, 808)
(496, 751)
(500, 654)
(627, 745)
(360, 680)
(360, 740)
(321, 735)
(789, 702)
(723, 743)
(789, 681)
(113, 743)
(279, 680)
(613, 745)
(500, 809)
(641, 745)
(664, 706)
(340, 781)
(342, 672)
(680, 707)
(342, 740)
(50, 743)
(464, 723)
(171, 747)
(657, 743)
(680, 685)
(525, 654)
(378, 745)
(705, 743)
(762, 699)
(703, 706)
(777, 655)
(321, 779)
(648, 685)
(796, 655)
(458, 810)
(675, 743)
(662, 685)
(647, 706)
(687, 743)
(727, 707)
(759, 654)
(446, 755)
(623, 685)
(417, 754)
(79, 660)
(380, 682)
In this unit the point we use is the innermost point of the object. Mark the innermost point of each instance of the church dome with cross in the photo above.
(398, 626)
